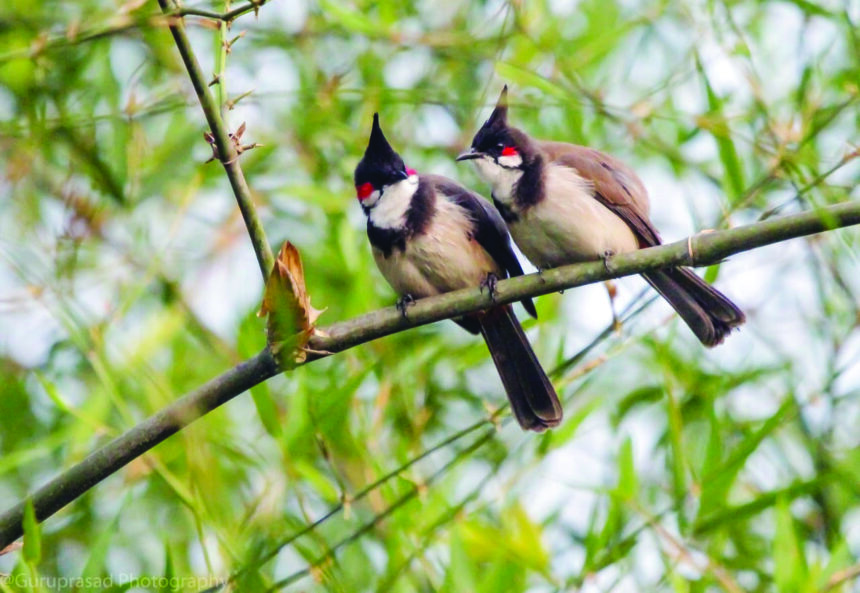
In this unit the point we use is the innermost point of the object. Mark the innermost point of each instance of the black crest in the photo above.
(380, 165)
(499, 116)
(495, 133)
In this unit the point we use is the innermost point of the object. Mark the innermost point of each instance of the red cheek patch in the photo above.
(411, 172)
(509, 151)
(364, 190)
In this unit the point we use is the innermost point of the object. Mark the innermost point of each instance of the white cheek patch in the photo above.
(511, 161)
(389, 209)
(501, 179)
(370, 200)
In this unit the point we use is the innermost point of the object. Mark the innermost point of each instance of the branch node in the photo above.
(235, 140)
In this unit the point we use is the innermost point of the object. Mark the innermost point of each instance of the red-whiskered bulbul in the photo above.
(565, 203)
(429, 236)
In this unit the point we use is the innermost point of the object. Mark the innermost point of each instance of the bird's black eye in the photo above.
(500, 145)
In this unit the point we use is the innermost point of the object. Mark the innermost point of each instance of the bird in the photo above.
(429, 235)
(565, 203)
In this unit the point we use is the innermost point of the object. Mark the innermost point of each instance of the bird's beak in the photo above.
(468, 155)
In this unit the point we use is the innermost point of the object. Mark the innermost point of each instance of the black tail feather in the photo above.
(707, 311)
(532, 396)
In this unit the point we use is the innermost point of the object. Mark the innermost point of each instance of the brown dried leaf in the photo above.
(287, 303)
(11, 548)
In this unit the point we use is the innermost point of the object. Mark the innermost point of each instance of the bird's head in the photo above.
(379, 169)
(497, 145)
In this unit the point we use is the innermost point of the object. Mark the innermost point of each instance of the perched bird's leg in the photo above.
(404, 302)
(606, 257)
(490, 284)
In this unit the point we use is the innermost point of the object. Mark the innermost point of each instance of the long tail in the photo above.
(707, 311)
(532, 396)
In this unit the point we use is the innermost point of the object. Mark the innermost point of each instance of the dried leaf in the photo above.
(287, 303)
(11, 548)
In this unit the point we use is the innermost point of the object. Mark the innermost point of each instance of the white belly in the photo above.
(441, 260)
(569, 225)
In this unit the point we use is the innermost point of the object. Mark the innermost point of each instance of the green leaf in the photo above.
(639, 396)
(627, 481)
(267, 409)
(350, 19)
(95, 566)
(677, 454)
(171, 582)
(789, 561)
(461, 574)
(716, 483)
(32, 535)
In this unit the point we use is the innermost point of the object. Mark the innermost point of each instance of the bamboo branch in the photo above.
(227, 153)
(227, 16)
(98, 465)
(701, 249)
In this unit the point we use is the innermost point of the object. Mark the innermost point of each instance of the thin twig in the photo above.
(221, 63)
(402, 500)
(275, 550)
(841, 577)
(227, 16)
(226, 149)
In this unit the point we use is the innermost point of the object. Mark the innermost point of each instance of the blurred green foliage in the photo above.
(126, 279)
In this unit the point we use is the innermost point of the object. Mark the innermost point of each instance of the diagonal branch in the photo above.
(701, 249)
(227, 153)
(227, 17)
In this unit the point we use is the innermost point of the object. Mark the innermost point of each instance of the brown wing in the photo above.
(616, 186)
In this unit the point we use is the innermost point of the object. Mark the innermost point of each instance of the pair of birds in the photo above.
(562, 203)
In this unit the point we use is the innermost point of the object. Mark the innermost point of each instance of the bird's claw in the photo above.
(403, 303)
(490, 283)
(606, 257)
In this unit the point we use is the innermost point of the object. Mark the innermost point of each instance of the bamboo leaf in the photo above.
(32, 549)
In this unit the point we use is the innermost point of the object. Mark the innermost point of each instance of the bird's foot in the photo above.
(606, 257)
(403, 303)
(490, 283)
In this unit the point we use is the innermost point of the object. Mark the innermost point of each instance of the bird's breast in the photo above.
(568, 224)
(442, 258)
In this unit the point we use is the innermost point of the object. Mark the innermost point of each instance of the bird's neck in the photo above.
(514, 189)
(392, 208)
(405, 209)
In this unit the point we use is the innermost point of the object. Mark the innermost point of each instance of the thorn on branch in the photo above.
(235, 140)
(231, 103)
(215, 80)
(228, 45)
